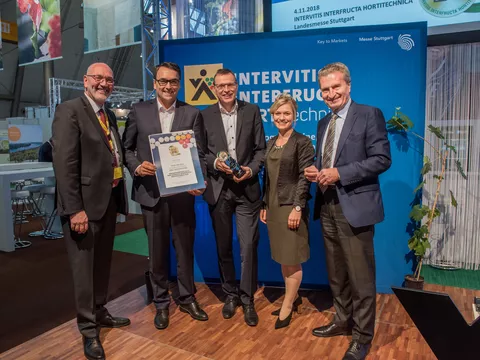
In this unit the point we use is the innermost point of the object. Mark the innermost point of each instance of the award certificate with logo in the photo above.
(178, 165)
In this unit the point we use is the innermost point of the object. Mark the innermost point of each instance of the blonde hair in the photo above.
(283, 99)
(334, 67)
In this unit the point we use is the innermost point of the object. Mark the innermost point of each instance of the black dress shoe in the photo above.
(285, 322)
(92, 348)
(357, 351)
(250, 315)
(161, 319)
(194, 310)
(297, 307)
(109, 321)
(229, 308)
(331, 329)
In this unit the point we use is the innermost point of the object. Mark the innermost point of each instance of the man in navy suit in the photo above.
(162, 215)
(352, 150)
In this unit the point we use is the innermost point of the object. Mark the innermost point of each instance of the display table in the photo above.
(9, 173)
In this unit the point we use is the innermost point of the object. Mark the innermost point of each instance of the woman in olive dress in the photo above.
(285, 211)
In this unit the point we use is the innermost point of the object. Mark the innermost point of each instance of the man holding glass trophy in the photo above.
(234, 151)
(168, 168)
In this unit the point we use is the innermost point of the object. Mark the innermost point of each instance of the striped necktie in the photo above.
(327, 157)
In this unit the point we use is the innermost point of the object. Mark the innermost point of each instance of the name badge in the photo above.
(117, 173)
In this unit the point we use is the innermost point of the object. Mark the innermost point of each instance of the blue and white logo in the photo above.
(406, 42)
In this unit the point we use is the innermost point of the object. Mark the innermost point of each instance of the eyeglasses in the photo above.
(100, 78)
(164, 82)
(229, 86)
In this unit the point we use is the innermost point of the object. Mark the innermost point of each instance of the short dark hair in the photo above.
(171, 66)
(224, 71)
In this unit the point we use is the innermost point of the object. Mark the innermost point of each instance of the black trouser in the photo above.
(90, 256)
(233, 201)
(177, 213)
(351, 269)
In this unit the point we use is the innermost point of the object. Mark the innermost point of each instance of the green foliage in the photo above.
(436, 131)
(419, 187)
(427, 166)
(419, 243)
(460, 169)
(418, 212)
(453, 200)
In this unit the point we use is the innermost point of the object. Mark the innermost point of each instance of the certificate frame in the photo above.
(175, 155)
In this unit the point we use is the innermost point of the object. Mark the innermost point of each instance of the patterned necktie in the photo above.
(327, 157)
(106, 131)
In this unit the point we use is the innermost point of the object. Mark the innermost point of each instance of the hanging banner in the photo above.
(111, 23)
(39, 33)
(9, 32)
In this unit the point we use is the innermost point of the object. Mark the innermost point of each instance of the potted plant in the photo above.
(423, 215)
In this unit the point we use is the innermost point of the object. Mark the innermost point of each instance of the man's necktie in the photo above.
(327, 157)
(106, 131)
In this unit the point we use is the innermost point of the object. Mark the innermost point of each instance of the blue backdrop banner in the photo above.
(387, 64)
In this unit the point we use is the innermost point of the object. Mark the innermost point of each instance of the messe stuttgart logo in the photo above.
(406, 42)
(199, 84)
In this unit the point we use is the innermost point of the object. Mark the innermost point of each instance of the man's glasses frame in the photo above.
(100, 78)
(172, 82)
(229, 86)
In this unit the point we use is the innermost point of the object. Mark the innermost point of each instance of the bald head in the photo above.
(98, 82)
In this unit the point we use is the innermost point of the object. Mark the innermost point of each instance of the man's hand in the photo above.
(263, 216)
(294, 219)
(198, 191)
(146, 169)
(79, 222)
(311, 173)
(247, 175)
(221, 166)
(328, 176)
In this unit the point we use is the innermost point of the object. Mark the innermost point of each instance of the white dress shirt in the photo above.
(166, 116)
(342, 115)
(230, 126)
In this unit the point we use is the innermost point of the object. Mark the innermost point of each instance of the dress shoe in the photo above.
(109, 321)
(194, 310)
(92, 348)
(297, 307)
(357, 351)
(161, 319)
(285, 322)
(229, 308)
(250, 315)
(331, 329)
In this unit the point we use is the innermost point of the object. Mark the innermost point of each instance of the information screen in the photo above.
(443, 16)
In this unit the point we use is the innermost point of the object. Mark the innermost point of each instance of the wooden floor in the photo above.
(396, 336)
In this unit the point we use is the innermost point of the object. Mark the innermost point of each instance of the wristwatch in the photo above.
(297, 208)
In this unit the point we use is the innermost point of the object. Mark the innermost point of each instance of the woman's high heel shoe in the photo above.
(285, 322)
(297, 307)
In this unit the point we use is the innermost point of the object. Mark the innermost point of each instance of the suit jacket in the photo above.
(250, 148)
(82, 160)
(363, 153)
(292, 186)
(143, 121)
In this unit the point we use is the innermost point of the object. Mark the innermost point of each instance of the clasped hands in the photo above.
(323, 177)
(146, 168)
(221, 166)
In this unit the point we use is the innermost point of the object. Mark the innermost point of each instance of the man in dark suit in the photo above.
(352, 150)
(236, 127)
(88, 161)
(165, 114)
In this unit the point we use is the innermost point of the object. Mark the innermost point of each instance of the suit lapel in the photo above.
(321, 134)
(239, 123)
(347, 127)
(178, 117)
(93, 118)
(154, 117)
(219, 121)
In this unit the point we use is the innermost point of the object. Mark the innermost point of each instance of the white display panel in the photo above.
(443, 16)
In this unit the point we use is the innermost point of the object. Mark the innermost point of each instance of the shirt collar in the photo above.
(224, 111)
(94, 105)
(343, 112)
(162, 108)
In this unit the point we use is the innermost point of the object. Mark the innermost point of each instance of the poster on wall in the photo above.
(39, 33)
(24, 142)
(4, 147)
(111, 23)
(442, 16)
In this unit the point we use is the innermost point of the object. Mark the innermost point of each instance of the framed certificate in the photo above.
(178, 166)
